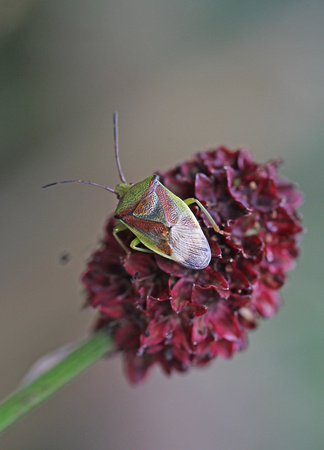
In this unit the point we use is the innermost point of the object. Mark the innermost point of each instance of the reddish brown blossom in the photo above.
(161, 312)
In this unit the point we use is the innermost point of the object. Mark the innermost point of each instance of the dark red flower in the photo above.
(161, 312)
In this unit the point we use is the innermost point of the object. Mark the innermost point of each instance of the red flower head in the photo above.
(161, 312)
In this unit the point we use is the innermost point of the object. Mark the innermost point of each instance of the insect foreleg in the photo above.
(134, 245)
(120, 227)
(190, 201)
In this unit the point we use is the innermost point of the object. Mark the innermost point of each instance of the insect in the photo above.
(160, 220)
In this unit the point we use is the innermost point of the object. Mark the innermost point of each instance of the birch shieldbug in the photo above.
(160, 220)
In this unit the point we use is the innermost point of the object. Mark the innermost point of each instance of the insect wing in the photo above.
(189, 244)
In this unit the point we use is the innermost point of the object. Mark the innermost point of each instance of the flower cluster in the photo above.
(161, 312)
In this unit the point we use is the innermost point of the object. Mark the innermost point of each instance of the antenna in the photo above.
(115, 121)
(121, 175)
(82, 181)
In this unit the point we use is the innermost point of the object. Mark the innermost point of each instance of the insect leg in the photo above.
(120, 227)
(135, 243)
(190, 201)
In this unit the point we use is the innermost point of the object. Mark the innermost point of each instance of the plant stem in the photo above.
(27, 397)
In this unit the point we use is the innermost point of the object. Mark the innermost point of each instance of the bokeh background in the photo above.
(184, 76)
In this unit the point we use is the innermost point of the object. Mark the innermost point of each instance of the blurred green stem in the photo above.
(27, 397)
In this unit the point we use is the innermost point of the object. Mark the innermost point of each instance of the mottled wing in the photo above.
(186, 239)
(189, 244)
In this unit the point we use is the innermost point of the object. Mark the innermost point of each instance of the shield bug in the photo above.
(160, 220)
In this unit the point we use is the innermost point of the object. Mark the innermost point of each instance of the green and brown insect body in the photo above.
(159, 219)
(163, 223)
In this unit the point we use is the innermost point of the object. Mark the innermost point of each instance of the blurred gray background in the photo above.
(184, 76)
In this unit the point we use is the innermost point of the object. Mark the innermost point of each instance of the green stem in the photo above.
(34, 393)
